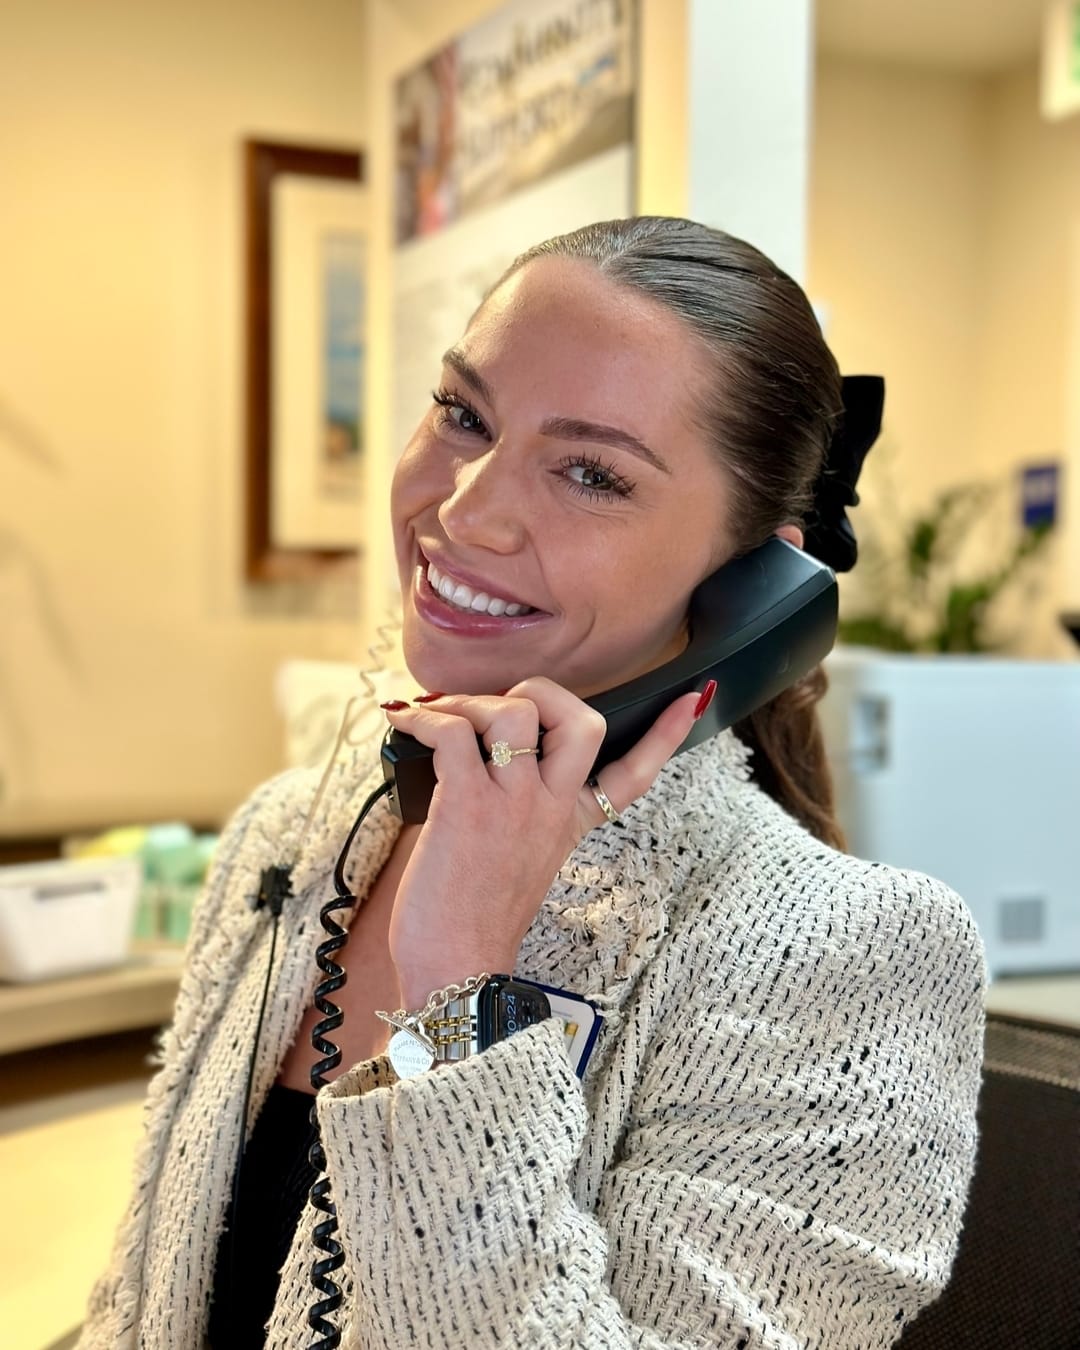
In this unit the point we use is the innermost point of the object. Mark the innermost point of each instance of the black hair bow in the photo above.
(829, 535)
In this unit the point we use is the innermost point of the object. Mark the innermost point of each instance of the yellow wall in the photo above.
(896, 199)
(1030, 355)
(1033, 195)
(1070, 562)
(940, 214)
(120, 397)
(136, 666)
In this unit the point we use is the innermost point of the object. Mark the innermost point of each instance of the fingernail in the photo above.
(428, 698)
(395, 705)
(705, 699)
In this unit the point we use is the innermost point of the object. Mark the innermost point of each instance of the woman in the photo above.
(772, 1142)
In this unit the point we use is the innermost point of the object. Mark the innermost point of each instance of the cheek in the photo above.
(406, 501)
(399, 491)
(656, 579)
(643, 606)
(413, 482)
(636, 608)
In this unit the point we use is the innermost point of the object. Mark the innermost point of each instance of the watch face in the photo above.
(506, 1007)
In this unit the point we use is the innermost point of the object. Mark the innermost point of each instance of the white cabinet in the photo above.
(968, 768)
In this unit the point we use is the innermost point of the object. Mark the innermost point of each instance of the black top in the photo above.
(275, 1178)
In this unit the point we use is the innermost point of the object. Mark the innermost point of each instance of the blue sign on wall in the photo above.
(1040, 486)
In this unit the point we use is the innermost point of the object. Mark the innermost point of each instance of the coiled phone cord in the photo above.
(323, 1268)
(275, 887)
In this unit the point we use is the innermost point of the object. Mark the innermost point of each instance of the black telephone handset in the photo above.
(757, 625)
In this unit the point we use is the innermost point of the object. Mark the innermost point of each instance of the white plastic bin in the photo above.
(58, 918)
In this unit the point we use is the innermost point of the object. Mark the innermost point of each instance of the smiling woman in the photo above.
(560, 449)
(771, 1143)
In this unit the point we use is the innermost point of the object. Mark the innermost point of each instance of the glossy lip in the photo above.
(474, 582)
(433, 609)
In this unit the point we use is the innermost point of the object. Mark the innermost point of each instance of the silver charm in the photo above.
(409, 1055)
(416, 1044)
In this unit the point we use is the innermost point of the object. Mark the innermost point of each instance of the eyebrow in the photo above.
(459, 362)
(564, 428)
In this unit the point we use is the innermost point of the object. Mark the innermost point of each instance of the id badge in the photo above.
(581, 1023)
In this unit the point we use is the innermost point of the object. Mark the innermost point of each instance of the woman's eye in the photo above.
(458, 413)
(594, 480)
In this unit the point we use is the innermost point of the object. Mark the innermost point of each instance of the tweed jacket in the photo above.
(771, 1145)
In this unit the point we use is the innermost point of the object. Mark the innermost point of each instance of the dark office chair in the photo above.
(1016, 1281)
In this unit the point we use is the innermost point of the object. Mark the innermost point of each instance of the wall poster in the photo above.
(520, 128)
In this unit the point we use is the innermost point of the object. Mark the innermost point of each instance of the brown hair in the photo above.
(770, 413)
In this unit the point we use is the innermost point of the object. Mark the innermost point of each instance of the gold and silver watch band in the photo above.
(454, 1031)
(443, 1032)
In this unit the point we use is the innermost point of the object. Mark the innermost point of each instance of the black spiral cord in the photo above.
(323, 1268)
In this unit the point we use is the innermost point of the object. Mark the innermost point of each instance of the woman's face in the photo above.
(558, 490)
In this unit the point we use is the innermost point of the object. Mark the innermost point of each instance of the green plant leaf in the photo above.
(870, 630)
(910, 596)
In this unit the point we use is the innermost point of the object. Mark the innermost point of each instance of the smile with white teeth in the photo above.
(463, 597)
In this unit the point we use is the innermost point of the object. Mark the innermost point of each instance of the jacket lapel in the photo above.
(611, 906)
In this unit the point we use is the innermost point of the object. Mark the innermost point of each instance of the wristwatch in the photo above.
(497, 1010)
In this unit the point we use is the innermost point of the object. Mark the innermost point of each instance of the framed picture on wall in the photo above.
(306, 292)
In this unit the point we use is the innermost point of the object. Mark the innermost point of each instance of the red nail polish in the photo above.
(705, 699)
(395, 705)
(428, 698)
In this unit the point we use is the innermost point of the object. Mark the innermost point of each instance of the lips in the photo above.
(473, 608)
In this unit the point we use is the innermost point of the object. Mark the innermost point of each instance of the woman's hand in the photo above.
(495, 837)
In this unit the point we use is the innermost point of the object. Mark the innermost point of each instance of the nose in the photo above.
(485, 507)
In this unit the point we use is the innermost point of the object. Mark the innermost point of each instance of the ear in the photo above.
(792, 534)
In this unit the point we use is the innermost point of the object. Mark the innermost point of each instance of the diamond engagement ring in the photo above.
(501, 753)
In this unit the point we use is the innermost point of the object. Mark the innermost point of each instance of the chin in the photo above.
(452, 672)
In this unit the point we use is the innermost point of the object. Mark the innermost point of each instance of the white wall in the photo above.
(750, 75)
(120, 397)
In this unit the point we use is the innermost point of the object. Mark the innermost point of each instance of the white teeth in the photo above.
(462, 597)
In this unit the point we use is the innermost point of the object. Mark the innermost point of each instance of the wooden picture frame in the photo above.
(266, 163)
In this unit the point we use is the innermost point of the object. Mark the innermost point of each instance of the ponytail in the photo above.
(787, 757)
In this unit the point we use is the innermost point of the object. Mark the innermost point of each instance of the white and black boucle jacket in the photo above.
(771, 1146)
